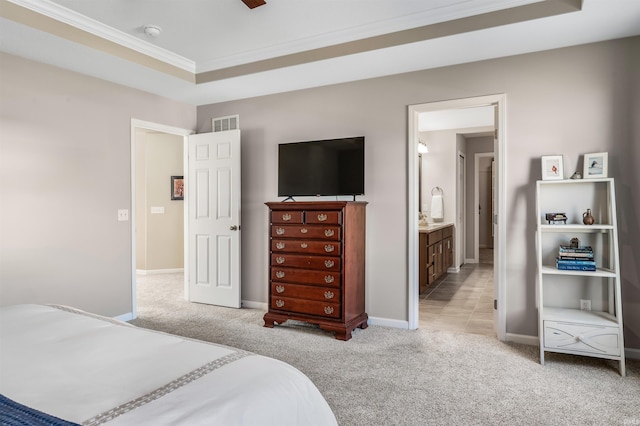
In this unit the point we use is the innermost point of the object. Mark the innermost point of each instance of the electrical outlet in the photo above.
(585, 304)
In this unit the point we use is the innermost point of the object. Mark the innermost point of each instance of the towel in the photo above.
(437, 208)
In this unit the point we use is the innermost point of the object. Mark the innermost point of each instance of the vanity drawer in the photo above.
(319, 216)
(582, 338)
(324, 294)
(305, 246)
(320, 263)
(293, 275)
(308, 307)
(286, 217)
(313, 232)
(434, 237)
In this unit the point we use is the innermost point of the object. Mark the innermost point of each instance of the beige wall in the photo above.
(64, 173)
(570, 101)
(65, 158)
(159, 237)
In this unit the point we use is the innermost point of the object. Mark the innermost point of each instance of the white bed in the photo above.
(91, 370)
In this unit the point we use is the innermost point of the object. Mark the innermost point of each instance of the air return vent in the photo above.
(221, 124)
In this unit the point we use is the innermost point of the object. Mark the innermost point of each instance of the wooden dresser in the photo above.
(317, 265)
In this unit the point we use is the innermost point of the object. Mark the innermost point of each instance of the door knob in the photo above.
(233, 228)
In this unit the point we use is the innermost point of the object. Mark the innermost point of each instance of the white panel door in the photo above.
(213, 197)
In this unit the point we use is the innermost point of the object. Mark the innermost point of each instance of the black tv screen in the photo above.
(325, 167)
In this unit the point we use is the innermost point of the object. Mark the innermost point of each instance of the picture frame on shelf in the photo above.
(552, 167)
(596, 165)
(177, 188)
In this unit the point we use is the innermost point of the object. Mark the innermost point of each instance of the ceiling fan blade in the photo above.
(252, 4)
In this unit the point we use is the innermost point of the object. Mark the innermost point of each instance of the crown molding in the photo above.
(81, 22)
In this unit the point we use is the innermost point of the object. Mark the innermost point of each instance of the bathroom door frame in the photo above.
(500, 145)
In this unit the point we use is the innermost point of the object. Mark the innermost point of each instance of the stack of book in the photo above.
(575, 258)
(556, 218)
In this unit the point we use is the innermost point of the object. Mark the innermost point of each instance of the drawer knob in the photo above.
(322, 217)
(329, 263)
(329, 279)
(279, 245)
(328, 310)
(280, 231)
(280, 289)
(304, 245)
(329, 248)
(329, 232)
(279, 303)
(279, 274)
(304, 230)
(279, 260)
(286, 217)
(328, 295)
(580, 338)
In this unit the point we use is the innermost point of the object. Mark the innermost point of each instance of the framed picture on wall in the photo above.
(595, 165)
(177, 188)
(552, 168)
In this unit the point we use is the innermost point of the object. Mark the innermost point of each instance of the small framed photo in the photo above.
(595, 165)
(177, 188)
(552, 168)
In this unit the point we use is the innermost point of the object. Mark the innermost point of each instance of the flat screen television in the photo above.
(323, 167)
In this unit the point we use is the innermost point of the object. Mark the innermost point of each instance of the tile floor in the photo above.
(461, 302)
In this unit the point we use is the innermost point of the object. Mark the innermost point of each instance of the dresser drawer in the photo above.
(332, 248)
(292, 275)
(582, 338)
(321, 263)
(313, 232)
(286, 217)
(303, 306)
(319, 216)
(324, 294)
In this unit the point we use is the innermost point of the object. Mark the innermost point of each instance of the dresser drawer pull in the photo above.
(328, 295)
(279, 303)
(328, 232)
(329, 279)
(280, 289)
(304, 245)
(329, 263)
(304, 230)
(280, 231)
(329, 248)
(279, 274)
(328, 310)
(286, 217)
(322, 217)
(279, 260)
(279, 245)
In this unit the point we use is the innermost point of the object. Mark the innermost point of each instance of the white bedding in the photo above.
(92, 370)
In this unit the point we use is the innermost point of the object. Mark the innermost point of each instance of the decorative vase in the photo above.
(587, 219)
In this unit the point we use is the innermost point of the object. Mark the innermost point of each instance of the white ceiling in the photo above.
(215, 50)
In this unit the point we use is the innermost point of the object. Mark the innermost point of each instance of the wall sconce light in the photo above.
(422, 147)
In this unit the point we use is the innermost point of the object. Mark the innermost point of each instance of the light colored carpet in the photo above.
(385, 376)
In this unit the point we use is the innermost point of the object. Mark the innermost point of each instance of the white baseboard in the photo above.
(453, 270)
(254, 305)
(158, 271)
(522, 339)
(632, 353)
(386, 322)
(472, 260)
(124, 317)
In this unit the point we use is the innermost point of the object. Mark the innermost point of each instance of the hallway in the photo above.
(461, 302)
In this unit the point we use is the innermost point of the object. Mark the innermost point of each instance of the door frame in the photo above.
(148, 125)
(476, 202)
(412, 223)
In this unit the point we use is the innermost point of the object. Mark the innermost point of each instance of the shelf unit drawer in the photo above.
(572, 337)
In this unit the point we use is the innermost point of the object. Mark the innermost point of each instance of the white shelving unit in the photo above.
(563, 326)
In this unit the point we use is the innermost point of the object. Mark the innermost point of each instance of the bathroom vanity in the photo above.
(436, 252)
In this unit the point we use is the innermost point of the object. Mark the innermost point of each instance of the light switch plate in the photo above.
(157, 210)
